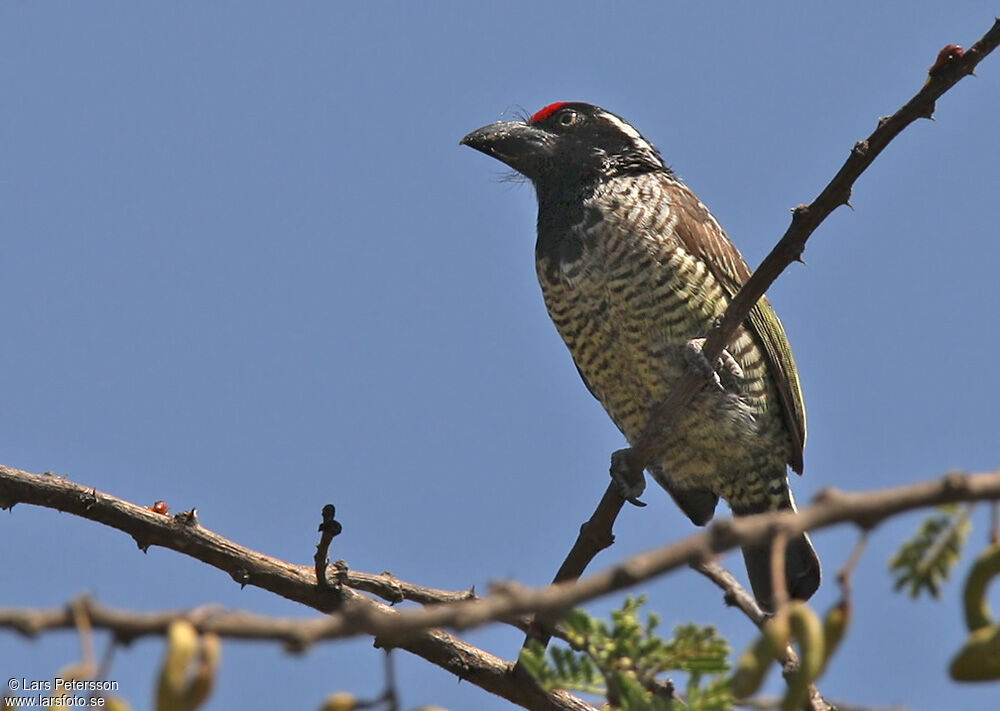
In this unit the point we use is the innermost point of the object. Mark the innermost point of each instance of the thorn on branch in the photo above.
(187, 518)
(927, 112)
(242, 576)
(955, 484)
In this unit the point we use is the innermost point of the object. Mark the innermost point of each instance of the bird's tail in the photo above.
(802, 568)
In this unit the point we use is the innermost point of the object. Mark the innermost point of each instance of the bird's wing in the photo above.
(703, 237)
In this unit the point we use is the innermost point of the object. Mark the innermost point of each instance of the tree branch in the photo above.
(865, 509)
(354, 614)
(126, 626)
(358, 614)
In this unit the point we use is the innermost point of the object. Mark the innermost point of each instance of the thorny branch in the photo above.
(356, 613)
(596, 533)
(353, 614)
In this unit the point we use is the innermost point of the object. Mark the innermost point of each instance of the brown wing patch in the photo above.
(702, 236)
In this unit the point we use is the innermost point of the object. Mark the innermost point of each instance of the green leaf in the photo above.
(626, 662)
(926, 561)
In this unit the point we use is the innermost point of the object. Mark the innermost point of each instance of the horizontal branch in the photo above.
(354, 614)
(831, 507)
(126, 626)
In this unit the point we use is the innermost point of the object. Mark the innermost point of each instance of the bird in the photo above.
(635, 271)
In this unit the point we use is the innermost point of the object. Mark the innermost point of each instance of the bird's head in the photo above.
(568, 141)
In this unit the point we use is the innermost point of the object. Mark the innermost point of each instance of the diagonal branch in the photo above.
(805, 220)
(595, 534)
(358, 614)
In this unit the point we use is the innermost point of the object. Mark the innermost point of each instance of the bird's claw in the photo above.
(727, 365)
(630, 485)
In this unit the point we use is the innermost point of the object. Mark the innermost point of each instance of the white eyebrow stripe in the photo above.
(622, 126)
(629, 131)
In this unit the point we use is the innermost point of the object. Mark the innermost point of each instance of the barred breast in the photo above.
(626, 299)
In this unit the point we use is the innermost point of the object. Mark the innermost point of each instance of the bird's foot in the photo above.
(630, 484)
(726, 364)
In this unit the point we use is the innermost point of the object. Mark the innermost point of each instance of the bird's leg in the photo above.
(726, 365)
(630, 483)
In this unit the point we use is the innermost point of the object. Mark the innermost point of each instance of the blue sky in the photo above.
(248, 268)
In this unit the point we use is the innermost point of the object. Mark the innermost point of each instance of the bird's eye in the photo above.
(568, 117)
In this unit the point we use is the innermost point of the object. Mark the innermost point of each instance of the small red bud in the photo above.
(946, 56)
(160, 507)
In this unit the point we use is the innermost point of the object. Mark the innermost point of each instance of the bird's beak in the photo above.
(520, 145)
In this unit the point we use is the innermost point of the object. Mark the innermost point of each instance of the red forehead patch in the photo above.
(547, 111)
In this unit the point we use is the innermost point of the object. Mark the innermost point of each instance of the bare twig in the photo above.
(846, 574)
(391, 694)
(328, 528)
(393, 590)
(735, 595)
(779, 590)
(738, 596)
(298, 634)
